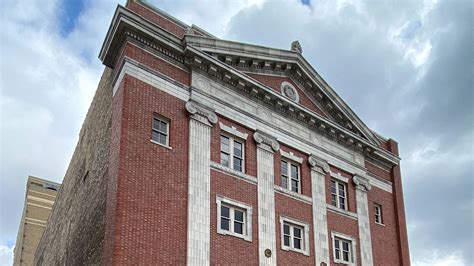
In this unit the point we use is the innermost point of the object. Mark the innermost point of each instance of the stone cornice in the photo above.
(221, 72)
(270, 59)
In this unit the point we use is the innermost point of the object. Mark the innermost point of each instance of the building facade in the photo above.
(199, 151)
(39, 200)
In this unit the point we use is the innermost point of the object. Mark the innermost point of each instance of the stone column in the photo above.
(266, 146)
(363, 219)
(319, 169)
(199, 183)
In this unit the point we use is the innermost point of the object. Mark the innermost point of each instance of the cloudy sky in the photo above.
(405, 67)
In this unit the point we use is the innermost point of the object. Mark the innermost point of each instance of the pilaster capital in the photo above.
(318, 164)
(200, 113)
(266, 141)
(362, 183)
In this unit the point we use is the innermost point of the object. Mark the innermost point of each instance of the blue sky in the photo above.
(404, 67)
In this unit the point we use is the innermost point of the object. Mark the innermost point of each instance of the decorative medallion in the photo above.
(268, 253)
(289, 91)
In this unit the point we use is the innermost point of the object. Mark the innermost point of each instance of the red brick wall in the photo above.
(156, 64)
(274, 82)
(300, 211)
(156, 18)
(230, 250)
(151, 203)
(305, 171)
(384, 238)
(371, 168)
(344, 225)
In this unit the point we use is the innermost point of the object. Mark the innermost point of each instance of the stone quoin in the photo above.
(203, 151)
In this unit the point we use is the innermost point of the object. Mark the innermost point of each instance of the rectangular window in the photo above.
(232, 153)
(295, 235)
(290, 176)
(378, 213)
(160, 131)
(338, 194)
(234, 218)
(342, 250)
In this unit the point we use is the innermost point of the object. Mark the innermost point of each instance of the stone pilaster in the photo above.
(199, 188)
(319, 169)
(363, 219)
(266, 199)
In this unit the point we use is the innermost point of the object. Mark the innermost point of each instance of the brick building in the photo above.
(198, 150)
(39, 199)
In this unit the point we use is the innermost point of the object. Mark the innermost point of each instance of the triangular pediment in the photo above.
(261, 63)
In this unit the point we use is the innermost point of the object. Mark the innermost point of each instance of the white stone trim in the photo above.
(293, 195)
(306, 240)
(291, 156)
(353, 251)
(248, 217)
(234, 173)
(147, 76)
(266, 199)
(380, 183)
(337, 210)
(339, 177)
(233, 131)
(362, 187)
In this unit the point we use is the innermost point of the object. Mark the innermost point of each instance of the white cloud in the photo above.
(6, 255)
(436, 259)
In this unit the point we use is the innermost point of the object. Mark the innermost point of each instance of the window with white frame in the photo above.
(232, 153)
(338, 194)
(290, 176)
(378, 213)
(343, 248)
(294, 235)
(160, 130)
(234, 218)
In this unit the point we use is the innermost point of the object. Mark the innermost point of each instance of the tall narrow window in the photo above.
(160, 131)
(338, 194)
(232, 153)
(378, 213)
(290, 176)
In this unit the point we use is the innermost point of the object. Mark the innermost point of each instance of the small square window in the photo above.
(378, 213)
(290, 176)
(234, 218)
(160, 131)
(294, 235)
(232, 153)
(343, 248)
(338, 194)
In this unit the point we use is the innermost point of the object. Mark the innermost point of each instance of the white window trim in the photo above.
(379, 206)
(168, 125)
(233, 131)
(231, 150)
(305, 235)
(290, 155)
(338, 203)
(288, 174)
(339, 177)
(353, 254)
(247, 217)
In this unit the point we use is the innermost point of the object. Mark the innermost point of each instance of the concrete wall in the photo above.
(75, 230)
